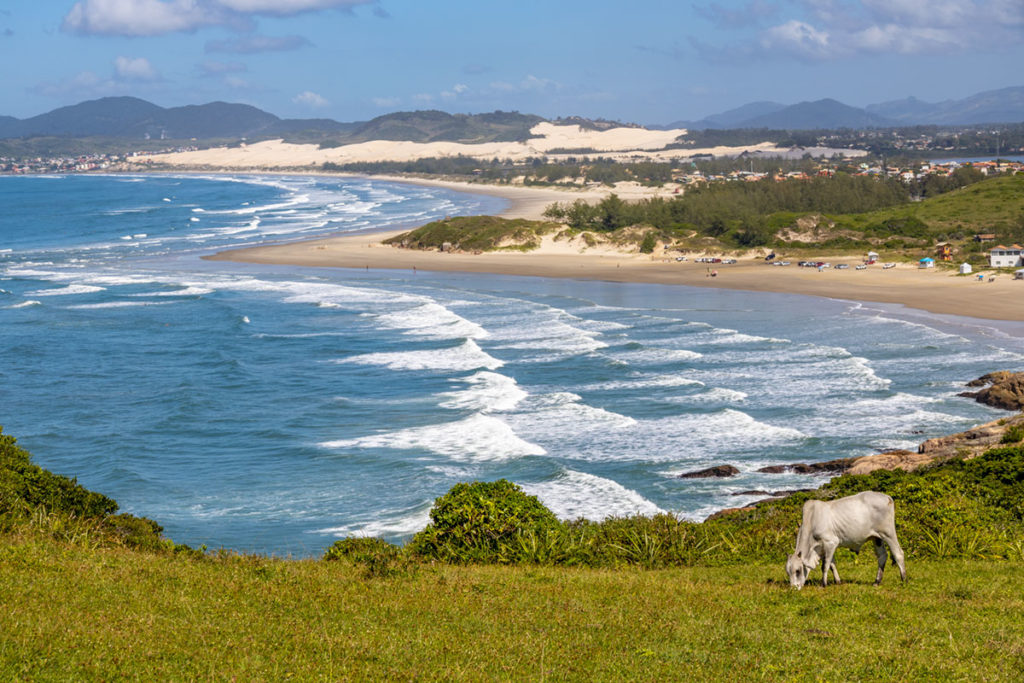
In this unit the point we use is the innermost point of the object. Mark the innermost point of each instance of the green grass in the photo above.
(88, 594)
(73, 612)
(980, 207)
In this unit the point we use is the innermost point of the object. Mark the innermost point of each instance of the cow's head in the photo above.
(797, 570)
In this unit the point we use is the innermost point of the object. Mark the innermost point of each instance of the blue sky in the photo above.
(644, 61)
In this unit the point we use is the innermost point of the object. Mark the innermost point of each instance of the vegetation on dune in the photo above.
(476, 233)
(844, 212)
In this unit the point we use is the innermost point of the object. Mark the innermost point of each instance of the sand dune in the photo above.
(618, 143)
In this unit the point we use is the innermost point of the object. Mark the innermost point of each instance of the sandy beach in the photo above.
(934, 289)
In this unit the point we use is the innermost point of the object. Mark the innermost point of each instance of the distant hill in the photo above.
(133, 118)
(130, 117)
(733, 118)
(827, 113)
(437, 126)
(994, 106)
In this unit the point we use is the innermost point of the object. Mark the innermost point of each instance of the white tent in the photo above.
(965, 268)
(1019, 274)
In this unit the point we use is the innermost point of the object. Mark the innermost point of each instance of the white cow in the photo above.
(845, 522)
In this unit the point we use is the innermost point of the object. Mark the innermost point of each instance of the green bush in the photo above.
(648, 244)
(1013, 435)
(25, 486)
(482, 522)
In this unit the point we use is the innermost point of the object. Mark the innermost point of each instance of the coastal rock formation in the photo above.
(837, 466)
(1005, 390)
(717, 471)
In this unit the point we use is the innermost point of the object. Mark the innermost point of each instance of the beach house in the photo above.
(1006, 257)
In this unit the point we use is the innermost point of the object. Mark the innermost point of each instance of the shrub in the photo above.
(1013, 434)
(481, 522)
(648, 244)
(25, 486)
(377, 557)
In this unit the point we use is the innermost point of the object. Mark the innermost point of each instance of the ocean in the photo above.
(275, 409)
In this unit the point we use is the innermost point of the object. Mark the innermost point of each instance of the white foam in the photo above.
(191, 290)
(25, 304)
(645, 381)
(119, 304)
(386, 524)
(67, 291)
(712, 395)
(433, 321)
(652, 355)
(478, 438)
(462, 358)
(487, 392)
(573, 495)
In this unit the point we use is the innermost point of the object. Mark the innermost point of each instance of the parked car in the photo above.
(842, 266)
(862, 267)
(728, 260)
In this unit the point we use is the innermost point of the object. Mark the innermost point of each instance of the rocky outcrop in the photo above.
(717, 471)
(837, 466)
(1003, 389)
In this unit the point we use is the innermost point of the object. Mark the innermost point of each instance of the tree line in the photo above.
(746, 214)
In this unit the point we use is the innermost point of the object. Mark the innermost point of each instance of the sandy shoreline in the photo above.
(934, 290)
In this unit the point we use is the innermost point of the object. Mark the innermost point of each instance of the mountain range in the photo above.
(132, 118)
(993, 106)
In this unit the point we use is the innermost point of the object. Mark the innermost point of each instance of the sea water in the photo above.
(275, 409)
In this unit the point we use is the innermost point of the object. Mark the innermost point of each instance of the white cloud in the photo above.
(140, 17)
(831, 29)
(157, 17)
(310, 99)
(798, 38)
(456, 90)
(134, 69)
(386, 102)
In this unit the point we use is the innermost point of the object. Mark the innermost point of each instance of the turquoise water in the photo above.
(274, 409)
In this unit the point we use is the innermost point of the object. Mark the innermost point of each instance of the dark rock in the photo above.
(717, 471)
(752, 493)
(1003, 389)
(832, 466)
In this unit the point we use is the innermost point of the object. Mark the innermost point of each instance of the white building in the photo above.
(1006, 257)
(965, 269)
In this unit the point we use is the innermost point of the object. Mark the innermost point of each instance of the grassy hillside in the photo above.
(994, 205)
(74, 612)
(82, 599)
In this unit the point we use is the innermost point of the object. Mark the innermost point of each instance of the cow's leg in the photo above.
(897, 553)
(830, 551)
(835, 572)
(882, 554)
